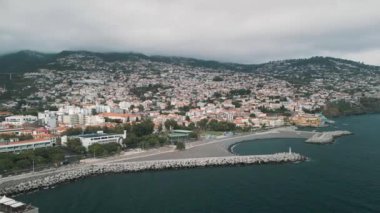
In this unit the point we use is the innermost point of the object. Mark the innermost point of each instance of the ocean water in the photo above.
(340, 177)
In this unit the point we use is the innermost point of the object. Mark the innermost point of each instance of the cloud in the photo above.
(246, 31)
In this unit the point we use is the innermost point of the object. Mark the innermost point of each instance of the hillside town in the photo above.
(87, 91)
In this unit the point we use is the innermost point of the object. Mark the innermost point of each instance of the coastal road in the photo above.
(218, 147)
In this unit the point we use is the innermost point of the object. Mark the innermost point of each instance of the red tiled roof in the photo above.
(5, 113)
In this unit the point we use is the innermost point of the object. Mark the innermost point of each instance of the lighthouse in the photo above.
(290, 150)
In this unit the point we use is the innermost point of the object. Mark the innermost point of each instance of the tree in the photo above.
(141, 108)
(92, 129)
(73, 131)
(159, 128)
(131, 141)
(171, 123)
(217, 78)
(96, 150)
(184, 109)
(191, 125)
(217, 95)
(180, 146)
(194, 135)
(237, 104)
(169, 106)
(75, 145)
(104, 149)
(151, 141)
(202, 124)
(187, 118)
(112, 148)
(57, 157)
(10, 162)
(239, 92)
(144, 128)
(215, 125)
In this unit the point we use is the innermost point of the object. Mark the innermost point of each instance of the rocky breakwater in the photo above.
(326, 137)
(67, 176)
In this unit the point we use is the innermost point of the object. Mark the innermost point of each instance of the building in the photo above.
(307, 120)
(124, 118)
(274, 121)
(13, 131)
(18, 120)
(4, 114)
(93, 120)
(48, 118)
(100, 138)
(179, 135)
(74, 119)
(18, 146)
(9, 205)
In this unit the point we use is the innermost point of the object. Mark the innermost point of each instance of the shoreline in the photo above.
(197, 151)
(132, 167)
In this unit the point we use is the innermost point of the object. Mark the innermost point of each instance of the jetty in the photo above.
(42, 182)
(326, 137)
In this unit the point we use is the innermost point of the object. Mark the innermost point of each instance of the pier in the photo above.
(326, 137)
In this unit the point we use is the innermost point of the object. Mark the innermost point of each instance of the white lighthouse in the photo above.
(290, 150)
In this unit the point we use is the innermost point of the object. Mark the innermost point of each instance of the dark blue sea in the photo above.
(340, 177)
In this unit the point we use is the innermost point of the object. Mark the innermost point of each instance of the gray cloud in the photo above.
(247, 31)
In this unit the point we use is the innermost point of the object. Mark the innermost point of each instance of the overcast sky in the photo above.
(247, 31)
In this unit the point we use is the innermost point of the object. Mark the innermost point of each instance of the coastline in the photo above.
(131, 167)
(218, 150)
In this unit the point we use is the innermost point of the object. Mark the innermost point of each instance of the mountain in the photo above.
(23, 61)
(29, 61)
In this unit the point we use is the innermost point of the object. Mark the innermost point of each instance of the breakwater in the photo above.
(127, 167)
(326, 137)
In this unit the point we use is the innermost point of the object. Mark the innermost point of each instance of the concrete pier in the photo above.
(127, 167)
(326, 137)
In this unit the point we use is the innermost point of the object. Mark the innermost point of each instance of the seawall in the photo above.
(128, 167)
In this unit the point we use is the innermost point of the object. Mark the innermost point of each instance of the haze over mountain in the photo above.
(29, 61)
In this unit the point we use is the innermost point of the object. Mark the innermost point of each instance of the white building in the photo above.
(125, 105)
(18, 120)
(100, 138)
(102, 108)
(70, 120)
(93, 120)
(25, 145)
(48, 118)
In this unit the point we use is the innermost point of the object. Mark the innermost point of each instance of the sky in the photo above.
(242, 31)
